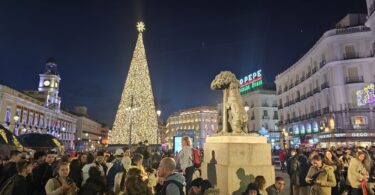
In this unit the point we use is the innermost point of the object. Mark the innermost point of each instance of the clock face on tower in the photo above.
(46, 83)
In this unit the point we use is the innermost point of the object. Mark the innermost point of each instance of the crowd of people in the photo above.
(333, 171)
(126, 171)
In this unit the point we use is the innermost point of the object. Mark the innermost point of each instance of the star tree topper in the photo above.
(141, 27)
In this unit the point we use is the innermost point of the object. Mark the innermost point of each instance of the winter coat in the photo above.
(272, 190)
(93, 187)
(370, 188)
(41, 174)
(185, 157)
(173, 189)
(118, 178)
(326, 178)
(293, 169)
(53, 187)
(355, 173)
(86, 168)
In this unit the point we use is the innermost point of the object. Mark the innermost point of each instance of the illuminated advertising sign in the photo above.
(251, 81)
(366, 95)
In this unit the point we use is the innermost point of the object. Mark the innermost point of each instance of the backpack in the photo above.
(197, 161)
(8, 186)
(178, 184)
(116, 167)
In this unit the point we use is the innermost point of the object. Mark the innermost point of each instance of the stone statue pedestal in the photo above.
(232, 161)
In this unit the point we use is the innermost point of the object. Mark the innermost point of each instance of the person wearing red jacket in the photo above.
(282, 157)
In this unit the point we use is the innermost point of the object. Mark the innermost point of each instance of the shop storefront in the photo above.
(348, 138)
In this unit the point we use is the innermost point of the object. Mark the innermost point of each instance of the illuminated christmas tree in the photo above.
(136, 118)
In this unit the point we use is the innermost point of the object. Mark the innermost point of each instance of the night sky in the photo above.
(187, 43)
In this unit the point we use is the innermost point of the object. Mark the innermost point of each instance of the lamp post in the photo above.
(247, 108)
(158, 112)
(285, 135)
(16, 118)
(130, 109)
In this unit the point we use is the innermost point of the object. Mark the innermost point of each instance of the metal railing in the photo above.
(351, 55)
(324, 85)
(316, 90)
(322, 63)
(356, 79)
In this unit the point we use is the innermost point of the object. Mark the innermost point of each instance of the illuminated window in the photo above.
(359, 122)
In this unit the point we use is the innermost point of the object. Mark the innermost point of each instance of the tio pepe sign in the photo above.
(251, 81)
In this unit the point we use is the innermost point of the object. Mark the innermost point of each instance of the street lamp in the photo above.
(63, 128)
(158, 112)
(247, 108)
(131, 108)
(16, 118)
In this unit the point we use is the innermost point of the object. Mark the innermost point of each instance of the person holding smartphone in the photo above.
(61, 184)
(321, 177)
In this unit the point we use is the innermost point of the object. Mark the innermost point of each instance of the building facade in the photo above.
(90, 133)
(22, 114)
(196, 122)
(263, 114)
(317, 96)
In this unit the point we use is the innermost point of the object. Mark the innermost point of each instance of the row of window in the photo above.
(32, 118)
(266, 116)
(349, 53)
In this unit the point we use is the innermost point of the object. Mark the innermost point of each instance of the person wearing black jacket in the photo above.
(94, 184)
(304, 166)
(39, 172)
(10, 168)
(19, 184)
(76, 172)
(293, 169)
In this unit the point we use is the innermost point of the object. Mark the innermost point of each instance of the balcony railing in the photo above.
(325, 110)
(302, 78)
(324, 85)
(352, 30)
(308, 94)
(274, 105)
(322, 63)
(266, 117)
(314, 70)
(265, 105)
(280, 107)
(279, 92)
(296, 83)
(276, 117)
(298, 99)
(285, 88)
(351, 55)
(291, 86)
(303, 97)
(308, 75)
(357, 79)
(371, 9)
(252, 118)
(316, 90)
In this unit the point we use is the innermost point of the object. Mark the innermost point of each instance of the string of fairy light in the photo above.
(136, 112)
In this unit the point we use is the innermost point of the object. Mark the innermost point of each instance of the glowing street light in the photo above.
(247, 108)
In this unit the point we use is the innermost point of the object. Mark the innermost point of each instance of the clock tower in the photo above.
(49, 83)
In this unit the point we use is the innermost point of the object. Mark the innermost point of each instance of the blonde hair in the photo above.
(187, 140)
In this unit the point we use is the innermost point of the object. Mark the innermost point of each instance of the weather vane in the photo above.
(141, 27)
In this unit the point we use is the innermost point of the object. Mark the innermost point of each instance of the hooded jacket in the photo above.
(172, 189)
